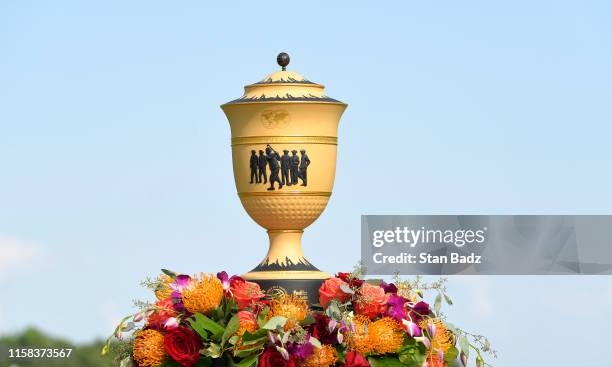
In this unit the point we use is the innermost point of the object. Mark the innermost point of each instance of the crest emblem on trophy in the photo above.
(273, 119)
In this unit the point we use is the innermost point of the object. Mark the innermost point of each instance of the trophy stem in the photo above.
(285, 259)
(285, 248)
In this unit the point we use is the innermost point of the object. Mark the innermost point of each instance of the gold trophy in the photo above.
(284, 140)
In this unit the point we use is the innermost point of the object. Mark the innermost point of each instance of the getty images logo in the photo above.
(414, 237)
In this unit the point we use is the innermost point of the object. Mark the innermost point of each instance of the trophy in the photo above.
(284, 139)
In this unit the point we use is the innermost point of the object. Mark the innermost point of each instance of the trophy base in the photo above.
(304, 284)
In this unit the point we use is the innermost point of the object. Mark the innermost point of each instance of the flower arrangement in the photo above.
(209, 320)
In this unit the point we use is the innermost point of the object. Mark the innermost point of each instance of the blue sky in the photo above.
(115, 155)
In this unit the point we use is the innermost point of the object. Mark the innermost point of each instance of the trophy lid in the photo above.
(284, 86)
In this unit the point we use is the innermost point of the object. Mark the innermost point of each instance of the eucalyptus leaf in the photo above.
(315, 342)
(333, 310)
(275, 322)
(438, 304)
(126, 362)
(464, 344)
(213, 351)
(346, 289)
(448, 300)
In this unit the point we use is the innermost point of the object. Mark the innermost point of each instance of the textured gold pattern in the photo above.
(249, 140)
(287, 193)
(284, 212)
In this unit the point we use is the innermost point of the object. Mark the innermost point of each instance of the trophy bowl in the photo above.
(284, 140)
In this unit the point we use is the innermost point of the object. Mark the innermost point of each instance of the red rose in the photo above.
(355, 359)
(331, 290)
(183, 345)
(245, 293)
(272, 358)
(351, 280)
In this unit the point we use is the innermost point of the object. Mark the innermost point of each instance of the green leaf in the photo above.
(169, 362)
(385, 362)
(105, 349)
(218, 313)
(275, 322)
(412, 354)
(242, 353)
(259, 334)
(451, 354)
(454, 363)
(229, 306)
(438, 304)
(262, 318)
(169, 273)
(201, 321)
(247, 362)
(230, 329)
(308, 320)
(464, 344)
(204, 362)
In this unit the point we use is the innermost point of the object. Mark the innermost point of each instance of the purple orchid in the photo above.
(396, 307)
(424, 340)
(411, 328)
(301, 351)
(388, 287)
(431, 329)
(419, 310)
(225, 280)
(180, 283)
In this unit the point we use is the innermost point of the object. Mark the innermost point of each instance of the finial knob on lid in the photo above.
(283, 60)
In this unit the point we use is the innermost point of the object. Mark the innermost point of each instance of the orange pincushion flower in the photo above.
(359, 341)
(149, 348)
(442, 340)
(386, 335)
(164, 291)
(321, 357)
(203, 295)
(378, 337)
(293, 307)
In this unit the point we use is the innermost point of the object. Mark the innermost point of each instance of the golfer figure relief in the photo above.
(284, 170)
